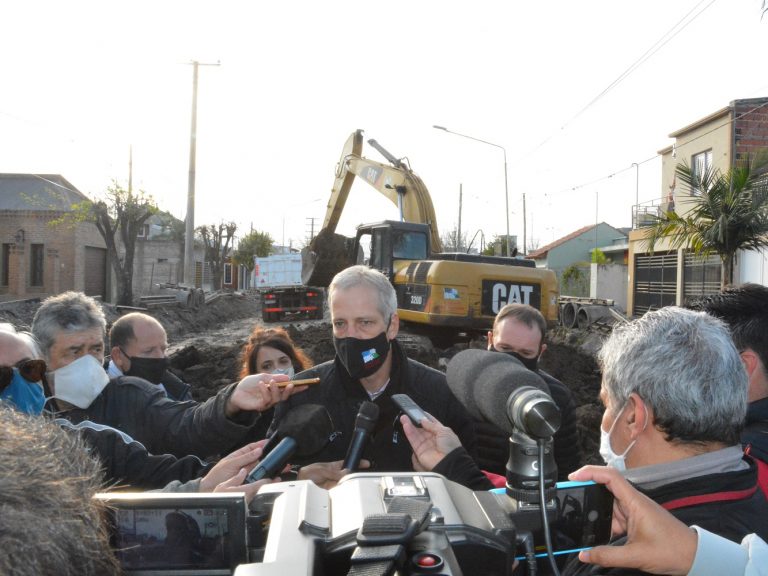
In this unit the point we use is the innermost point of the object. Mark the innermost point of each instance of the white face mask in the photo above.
(287, 371)
(80, 382)
(617, 461)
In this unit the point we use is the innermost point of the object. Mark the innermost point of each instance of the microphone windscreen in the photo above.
(367, 416)
(310, 425)
(483, 381)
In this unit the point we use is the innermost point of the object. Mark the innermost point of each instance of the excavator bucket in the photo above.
(327, 255)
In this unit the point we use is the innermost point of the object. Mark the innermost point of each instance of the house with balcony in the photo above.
(672, 276)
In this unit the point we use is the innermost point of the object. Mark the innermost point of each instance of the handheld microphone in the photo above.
(292, 423)
(274, 462)
(365, 422)
(303, 431)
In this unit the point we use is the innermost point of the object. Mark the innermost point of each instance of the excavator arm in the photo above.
(329, 252)
(396, 182)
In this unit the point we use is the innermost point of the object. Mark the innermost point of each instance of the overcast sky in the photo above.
(84, 81)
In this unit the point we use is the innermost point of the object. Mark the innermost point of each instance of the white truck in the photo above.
(283, 296)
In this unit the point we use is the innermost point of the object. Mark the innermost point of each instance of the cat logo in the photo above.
(497, 294)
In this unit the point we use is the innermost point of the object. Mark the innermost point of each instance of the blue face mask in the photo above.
(26, 396)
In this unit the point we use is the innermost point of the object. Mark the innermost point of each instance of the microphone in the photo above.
(497, 388)
(364, 425)
(304, 431)
(274, 462)
(293, 423)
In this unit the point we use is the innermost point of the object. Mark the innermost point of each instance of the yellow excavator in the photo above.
(443, 293)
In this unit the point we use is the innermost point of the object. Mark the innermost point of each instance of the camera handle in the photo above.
(382, 538)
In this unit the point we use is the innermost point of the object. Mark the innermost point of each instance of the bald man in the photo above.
(138, 345)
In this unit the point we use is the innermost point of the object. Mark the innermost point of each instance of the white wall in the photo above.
(609, 281)
(752, 267)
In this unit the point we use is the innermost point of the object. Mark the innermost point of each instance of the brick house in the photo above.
(38, 258)
(670, 277)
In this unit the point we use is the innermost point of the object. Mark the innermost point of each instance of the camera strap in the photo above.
(382, 538)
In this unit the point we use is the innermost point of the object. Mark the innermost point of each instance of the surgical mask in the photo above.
(25, 395)
(617, 461)
(362, 358)
(150, 369)
(287, 371)
(80, 382)
(531, 363)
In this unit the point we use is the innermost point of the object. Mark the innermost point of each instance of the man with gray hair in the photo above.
(370, 365)
(675, 396)
(71, 329)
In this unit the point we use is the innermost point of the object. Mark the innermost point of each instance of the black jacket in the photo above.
(732, 519)
(127, 464)
(458, 466)
(162, 425)
(755, 433)
(493, 442)
(388, 448)
(176, 388)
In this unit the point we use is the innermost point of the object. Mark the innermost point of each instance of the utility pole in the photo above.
(458, 234)
(525, 230)
(506, 186)
(189, 236)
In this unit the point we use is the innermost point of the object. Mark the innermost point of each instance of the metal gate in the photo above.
(701, 276)
(655, 281)
(96, 271)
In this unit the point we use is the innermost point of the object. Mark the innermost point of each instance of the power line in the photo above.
(655, 156)
(658, 45)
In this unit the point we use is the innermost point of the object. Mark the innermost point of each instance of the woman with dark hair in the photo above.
(272, 351)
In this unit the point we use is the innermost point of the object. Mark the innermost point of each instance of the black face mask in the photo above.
(531, 363)
(362, 358)
(150, 369)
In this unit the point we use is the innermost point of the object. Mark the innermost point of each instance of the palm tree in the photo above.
(728, 212)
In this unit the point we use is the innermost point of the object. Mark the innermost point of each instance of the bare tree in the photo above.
(452, 242)
(217, 239)
(124, 212)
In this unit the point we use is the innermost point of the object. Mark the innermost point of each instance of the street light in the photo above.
(506, 188)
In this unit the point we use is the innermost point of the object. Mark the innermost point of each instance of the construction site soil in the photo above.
(205, 347)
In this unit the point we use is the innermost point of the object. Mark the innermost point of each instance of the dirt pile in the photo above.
(205, 347)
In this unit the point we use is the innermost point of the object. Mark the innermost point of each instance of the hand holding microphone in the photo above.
(304, 431)
(365, 423)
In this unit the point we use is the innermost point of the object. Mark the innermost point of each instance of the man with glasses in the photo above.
(70, 329)
(125, 461)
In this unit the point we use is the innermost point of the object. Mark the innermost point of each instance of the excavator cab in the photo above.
(379, 245)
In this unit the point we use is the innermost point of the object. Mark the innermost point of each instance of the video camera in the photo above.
(414, 523)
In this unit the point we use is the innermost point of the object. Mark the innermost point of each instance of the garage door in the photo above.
(655, 281)
(96, 271)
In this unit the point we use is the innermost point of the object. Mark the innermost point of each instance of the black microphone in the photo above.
(274, 462)
(497, 388)
(292, 424)
(364, 425)
(304, 431)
